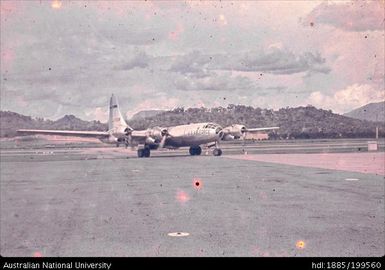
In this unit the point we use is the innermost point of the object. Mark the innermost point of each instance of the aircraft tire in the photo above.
(195, 150)
(217, 152)
(140, 153)
(146, 152)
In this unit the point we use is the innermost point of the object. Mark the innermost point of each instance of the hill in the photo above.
(145, 114)
(10, 122)
(300, 122)
(370, 112)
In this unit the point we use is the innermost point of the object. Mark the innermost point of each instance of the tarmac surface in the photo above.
(298, 198)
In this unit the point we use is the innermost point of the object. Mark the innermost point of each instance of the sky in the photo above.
(68, 57)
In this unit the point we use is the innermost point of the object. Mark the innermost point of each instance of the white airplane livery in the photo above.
(192, 135)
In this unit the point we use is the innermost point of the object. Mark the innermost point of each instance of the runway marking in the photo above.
(351, 179)
(178, 234)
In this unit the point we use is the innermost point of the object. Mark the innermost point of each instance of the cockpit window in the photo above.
(211, 125)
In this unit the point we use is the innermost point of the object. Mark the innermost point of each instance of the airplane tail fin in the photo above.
(116, 119)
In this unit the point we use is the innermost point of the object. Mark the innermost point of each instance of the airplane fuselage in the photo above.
(179, 136)
(193, 134)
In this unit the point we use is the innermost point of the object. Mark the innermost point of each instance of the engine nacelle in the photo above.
(112, 139)
(157, 133)
(228, 137)
(236, 131)
(150, 140)
(120, 131)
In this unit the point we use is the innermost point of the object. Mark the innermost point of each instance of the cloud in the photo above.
(353, 16)
(214, 82)
(159, 103)
(347, 99)
(275, 60)
(99, 113)
(140, 60)
(193, 64)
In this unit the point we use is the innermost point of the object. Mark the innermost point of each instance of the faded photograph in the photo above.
(192, 129)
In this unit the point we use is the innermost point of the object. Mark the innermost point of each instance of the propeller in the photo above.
(128, 138)
(164, 134)
(243, 137)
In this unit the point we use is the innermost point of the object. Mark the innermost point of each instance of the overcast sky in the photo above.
(68, 57)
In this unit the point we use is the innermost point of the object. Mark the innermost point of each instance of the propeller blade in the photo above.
(130, 142)
(164, 134)
(163, 141)
(128, 138)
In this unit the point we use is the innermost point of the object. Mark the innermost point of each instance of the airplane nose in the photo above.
(220, 132)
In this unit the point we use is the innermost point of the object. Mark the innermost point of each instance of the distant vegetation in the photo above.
(295, 123)
(301, 122)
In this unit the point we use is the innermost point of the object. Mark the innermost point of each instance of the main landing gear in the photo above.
(119, 141)
(217, 151)
(195, 150)
(144, 152)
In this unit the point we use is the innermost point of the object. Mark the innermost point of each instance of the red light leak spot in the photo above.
(174, 35)
(37, 254)
(197, 183)
(300, 244)
(56, 4)
(182, 196)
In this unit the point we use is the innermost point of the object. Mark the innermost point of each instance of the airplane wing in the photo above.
(139, 136)
(260, 129)
(98, 134)
(239, 131)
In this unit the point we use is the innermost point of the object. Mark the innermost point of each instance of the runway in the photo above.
(299, 198)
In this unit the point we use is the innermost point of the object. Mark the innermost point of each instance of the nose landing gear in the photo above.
(217, 152)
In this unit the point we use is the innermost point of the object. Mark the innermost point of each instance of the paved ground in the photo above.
(105, 202)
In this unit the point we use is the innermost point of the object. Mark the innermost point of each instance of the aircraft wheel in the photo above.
(195, 151)
(140, 153)
(117, 144)
(146, 152)
(217, 152)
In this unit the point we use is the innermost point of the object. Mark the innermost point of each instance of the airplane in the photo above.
(191, 135)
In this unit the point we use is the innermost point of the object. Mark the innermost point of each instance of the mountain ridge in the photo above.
(299, 122)
(371, 112)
